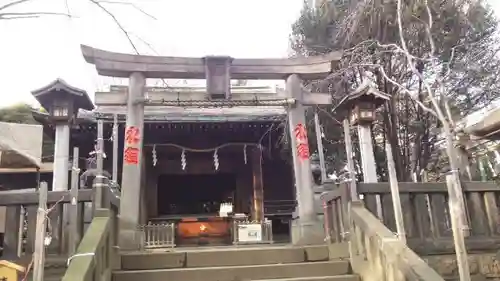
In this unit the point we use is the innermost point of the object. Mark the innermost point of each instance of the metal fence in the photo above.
(251, 232)
(161, 235)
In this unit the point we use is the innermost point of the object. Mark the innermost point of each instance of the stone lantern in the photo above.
(362, 103)
(62, 101)
(360, 107)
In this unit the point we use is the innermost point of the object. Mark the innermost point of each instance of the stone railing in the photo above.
(97, 254)
(425, 214)
(376, 252)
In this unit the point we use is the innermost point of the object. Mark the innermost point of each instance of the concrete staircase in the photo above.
(283, 263)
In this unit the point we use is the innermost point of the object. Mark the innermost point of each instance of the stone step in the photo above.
(232, 273)
(223, 257)
(318, 278)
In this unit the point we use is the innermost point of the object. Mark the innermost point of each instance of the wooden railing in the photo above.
(21, 208)
(425, 214)
(97, 254)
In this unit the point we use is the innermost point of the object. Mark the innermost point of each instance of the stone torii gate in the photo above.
(218, 71)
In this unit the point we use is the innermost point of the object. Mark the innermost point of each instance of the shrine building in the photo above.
(219, 164)
(193, 160)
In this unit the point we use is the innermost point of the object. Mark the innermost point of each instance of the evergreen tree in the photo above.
(465, 48)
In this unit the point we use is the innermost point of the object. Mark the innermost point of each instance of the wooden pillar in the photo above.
(396, 200)
(74, 227)
(368, 160)
(132, 156)
(350, 161)
(321, 152)
(367, 153)
(143, 209)
(99, 178)
(115, 148)
(482, 170)
(152, 192)
(12, 234)
(31, 229)
(41, 226)
(258, 185)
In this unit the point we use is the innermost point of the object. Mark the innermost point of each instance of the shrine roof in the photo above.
(180, 114)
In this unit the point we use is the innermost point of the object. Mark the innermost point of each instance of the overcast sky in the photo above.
(33, 52)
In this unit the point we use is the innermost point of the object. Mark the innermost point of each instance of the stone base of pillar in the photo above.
(307, 232)
(128, 240)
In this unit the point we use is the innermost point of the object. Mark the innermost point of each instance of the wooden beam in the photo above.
(119, 95)
(437, 187)
(122, 65)
(30, 197)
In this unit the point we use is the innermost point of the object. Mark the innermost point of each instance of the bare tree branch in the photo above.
(12, 4)
(136, 7)
(10, 16)
(117, 22)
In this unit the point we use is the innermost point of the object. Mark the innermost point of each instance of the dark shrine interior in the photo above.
(187, 195)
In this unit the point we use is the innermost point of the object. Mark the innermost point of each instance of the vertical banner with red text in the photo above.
(302, 142)
(132, 141)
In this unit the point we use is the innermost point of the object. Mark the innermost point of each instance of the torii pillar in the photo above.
(306, 227)
(132, 166)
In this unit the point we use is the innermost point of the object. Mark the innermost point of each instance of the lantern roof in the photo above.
(58, 89)
(364, 93)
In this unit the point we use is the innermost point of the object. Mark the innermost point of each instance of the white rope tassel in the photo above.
(183, 160)
(245, 154)
(155, 159)
(216, 160)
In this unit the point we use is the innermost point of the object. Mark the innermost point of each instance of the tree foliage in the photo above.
(464, 52)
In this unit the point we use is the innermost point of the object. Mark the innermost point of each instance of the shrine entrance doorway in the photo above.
(191, 195)
(192, 202)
